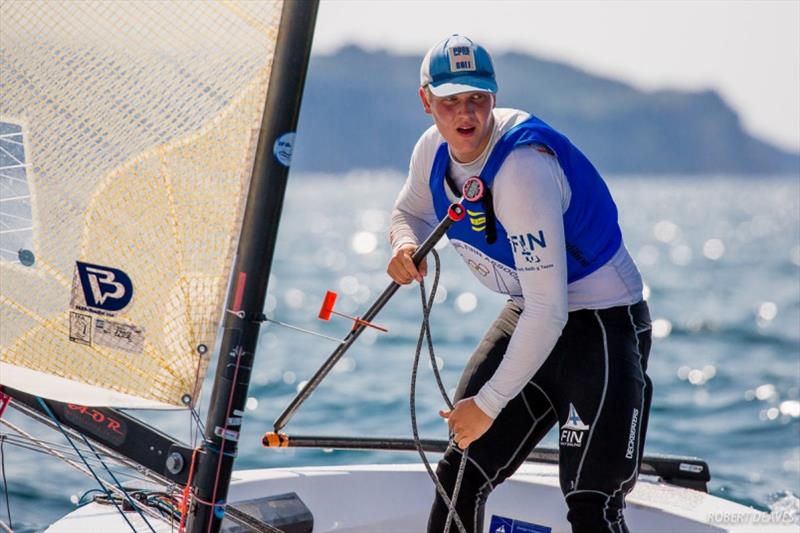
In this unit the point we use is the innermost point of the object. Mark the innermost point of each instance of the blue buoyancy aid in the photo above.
(592, 233)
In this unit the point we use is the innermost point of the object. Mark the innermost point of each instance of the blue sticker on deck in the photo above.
(501, 524)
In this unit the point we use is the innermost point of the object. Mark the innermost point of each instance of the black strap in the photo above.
(452, 184)
(491, 224)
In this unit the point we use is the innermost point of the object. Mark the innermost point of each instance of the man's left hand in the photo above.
(467, 422)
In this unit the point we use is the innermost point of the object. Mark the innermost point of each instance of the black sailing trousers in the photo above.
(595, 386)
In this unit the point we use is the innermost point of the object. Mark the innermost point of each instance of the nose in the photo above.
(467, 107)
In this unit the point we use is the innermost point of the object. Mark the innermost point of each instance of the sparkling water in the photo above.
(721, 262)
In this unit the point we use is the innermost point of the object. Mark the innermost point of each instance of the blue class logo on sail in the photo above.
(102, 288)
(283, 148)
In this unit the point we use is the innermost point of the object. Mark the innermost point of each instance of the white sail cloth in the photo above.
(127, 139)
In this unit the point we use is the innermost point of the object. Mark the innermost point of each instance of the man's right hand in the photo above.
(401, 268)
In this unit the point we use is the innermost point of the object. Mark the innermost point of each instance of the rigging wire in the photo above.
(24, 442)
(5, 482)
(425, 331)
(149, 497)
(99, 481)
(45, 447)
(214, 505)
(187, 494)
(202, 350)
(31, 446)
(195, 424)
(152, 476)
(116, 481)
(24, 438)
(165, 504)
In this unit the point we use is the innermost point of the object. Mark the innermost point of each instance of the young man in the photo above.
(571, 345)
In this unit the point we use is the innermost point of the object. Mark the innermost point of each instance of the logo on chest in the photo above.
(477, 220)
(492, 273)
(525, 244)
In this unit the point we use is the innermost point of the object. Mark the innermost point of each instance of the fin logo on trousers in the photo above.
(573, 430)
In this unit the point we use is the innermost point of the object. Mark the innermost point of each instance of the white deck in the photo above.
(396, 498)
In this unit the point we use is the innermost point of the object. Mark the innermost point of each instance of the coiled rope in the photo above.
(425, 332)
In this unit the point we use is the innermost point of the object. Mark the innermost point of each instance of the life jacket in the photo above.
(592, 233)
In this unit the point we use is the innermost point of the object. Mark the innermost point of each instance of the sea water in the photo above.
(721, 261)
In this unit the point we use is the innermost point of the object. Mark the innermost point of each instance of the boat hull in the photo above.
(396, 498)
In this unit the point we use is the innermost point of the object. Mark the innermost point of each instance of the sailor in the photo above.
(570, 346)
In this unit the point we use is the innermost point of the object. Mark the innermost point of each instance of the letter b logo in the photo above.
(104, 287)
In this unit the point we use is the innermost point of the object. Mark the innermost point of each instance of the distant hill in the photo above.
(361, 111)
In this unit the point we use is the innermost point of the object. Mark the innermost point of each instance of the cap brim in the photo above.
(463, 85)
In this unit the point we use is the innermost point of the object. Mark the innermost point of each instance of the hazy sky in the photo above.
(747, 50)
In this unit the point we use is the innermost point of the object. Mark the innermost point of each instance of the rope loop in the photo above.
(425, 333)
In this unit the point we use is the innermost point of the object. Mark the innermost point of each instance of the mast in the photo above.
(252, 266)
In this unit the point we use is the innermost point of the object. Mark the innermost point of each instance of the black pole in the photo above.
(251, 269)
(684, 471)
(455, 213)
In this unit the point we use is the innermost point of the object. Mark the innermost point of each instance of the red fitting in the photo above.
(456, 212)
(275, 440)
(327, 305)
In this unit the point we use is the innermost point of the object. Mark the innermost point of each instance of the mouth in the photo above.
(466, 131)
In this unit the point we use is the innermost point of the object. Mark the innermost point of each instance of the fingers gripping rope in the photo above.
(426, 332)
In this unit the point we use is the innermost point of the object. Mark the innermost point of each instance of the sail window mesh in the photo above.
(16, 220)
(129, 171)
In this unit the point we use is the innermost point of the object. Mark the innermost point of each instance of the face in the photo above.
(464, 120)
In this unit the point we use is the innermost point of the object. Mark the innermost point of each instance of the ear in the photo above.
(426, 105)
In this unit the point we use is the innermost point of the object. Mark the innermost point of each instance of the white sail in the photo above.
(127, 138)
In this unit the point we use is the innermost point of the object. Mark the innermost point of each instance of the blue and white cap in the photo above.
(457, 65)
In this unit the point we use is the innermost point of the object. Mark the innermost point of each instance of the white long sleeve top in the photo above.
(530, 194)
